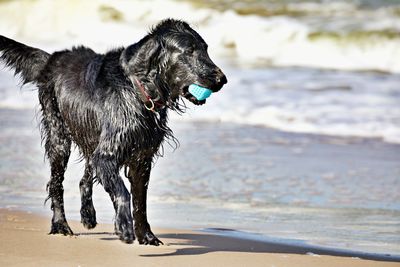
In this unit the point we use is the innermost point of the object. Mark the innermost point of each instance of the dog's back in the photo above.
(79, 66)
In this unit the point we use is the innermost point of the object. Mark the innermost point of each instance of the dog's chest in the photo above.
(147, 134)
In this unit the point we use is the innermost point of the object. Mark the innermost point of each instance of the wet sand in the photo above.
(25, 242)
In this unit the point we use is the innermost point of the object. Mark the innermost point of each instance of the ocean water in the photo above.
(329, 67)
(301, 145)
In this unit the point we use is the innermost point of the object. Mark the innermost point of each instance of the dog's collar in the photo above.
(149, 103)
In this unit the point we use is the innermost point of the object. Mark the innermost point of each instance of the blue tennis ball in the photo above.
(199, 92)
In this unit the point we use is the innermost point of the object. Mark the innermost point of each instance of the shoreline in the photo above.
(301, 247)
(25, 242)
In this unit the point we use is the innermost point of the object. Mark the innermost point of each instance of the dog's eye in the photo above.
(190, 50)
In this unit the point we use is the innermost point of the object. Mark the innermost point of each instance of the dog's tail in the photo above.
(25, 60)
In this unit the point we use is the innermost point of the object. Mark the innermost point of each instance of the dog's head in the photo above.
(171, 58)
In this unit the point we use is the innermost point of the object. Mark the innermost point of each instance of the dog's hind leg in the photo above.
(88, 213)
(139, 175)
(58, 148)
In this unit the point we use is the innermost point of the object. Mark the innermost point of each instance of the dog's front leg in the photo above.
(107, 172)
(139, 175)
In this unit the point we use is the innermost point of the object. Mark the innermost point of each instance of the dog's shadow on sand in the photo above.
(203, 243)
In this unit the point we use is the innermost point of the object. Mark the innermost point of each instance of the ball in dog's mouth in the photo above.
(196, 94)
(199, 92)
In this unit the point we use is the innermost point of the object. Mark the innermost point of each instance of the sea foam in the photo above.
(331, 35)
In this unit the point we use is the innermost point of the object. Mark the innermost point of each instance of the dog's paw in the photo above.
(125, 236)
(150, 239)
(88, 222)
(124, 230)
(60, 228)
(88, 217)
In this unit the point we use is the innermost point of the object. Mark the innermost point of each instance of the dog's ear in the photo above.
(141, 58)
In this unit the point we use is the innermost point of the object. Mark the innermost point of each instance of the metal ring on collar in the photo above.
(151, 108)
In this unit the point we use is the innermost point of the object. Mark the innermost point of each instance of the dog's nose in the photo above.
(221, 78)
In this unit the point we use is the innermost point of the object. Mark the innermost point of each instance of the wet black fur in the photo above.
(92, 100)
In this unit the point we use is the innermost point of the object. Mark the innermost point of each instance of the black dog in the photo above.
(114, 108)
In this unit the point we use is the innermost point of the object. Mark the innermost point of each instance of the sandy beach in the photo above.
(25, 242)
